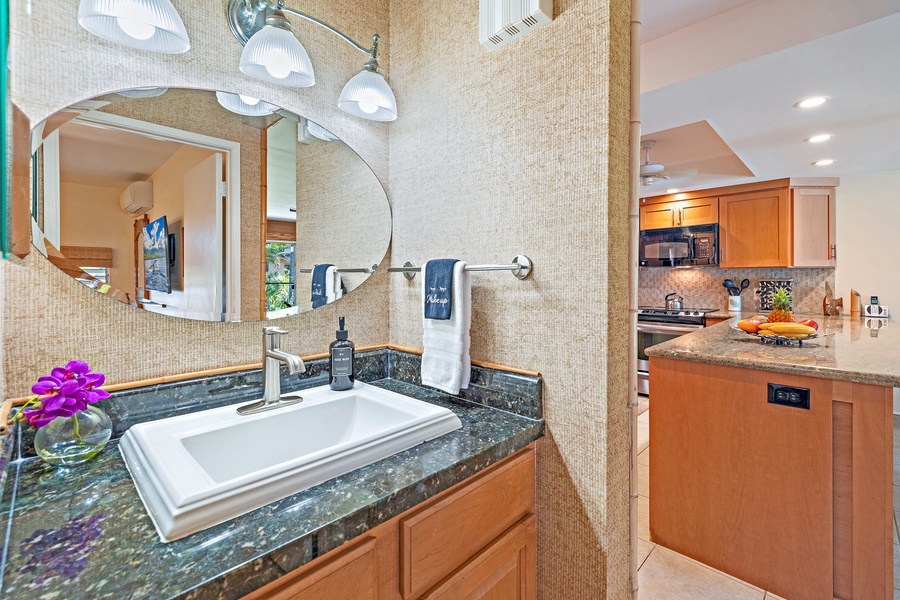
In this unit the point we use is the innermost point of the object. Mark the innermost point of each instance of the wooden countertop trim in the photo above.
(117, 387)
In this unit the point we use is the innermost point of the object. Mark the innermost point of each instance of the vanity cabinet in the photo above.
(475, 540)
(683, 213)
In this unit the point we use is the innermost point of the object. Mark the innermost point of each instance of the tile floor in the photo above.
(667, 575)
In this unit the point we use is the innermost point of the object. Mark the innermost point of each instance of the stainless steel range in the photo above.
(658, 325)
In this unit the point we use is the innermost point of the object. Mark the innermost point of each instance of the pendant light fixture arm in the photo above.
(279, 5)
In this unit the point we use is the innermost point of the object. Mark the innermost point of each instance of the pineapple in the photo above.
(781, 300)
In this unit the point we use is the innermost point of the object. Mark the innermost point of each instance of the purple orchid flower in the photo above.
(66, 391)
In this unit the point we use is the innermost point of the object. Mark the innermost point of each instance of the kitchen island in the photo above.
(773, 463)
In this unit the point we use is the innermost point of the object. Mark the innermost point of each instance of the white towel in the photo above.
(331, 275)
(336, 285)
(445, 361)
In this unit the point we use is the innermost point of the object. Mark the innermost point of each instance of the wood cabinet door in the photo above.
(443, 535)
(753, 229)
(658, 216)
(702, 211)
(505, 570)
(813, 220)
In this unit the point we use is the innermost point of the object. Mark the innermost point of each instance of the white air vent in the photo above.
(137, 198)
(503, 21)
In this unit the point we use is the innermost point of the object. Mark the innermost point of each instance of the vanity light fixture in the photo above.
(824, 162)
(272, 53)
(245, 105)
(152, 25)
(320, 132)
(144, 92)
(812, 102)
(672, 191)
(817, 139)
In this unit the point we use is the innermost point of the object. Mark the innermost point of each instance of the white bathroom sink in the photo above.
(196, 470)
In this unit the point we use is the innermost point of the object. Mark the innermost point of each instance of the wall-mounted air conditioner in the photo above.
(503, 21)
(137, 198)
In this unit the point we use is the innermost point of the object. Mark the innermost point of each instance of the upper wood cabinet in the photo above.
(813, 219)
(754, 229)
(698, 211)
(780, 223)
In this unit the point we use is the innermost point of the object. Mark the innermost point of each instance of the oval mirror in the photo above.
(204, 205)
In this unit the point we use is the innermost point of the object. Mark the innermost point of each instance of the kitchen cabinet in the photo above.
(782, 227)
(475, 540)
(682, 213)
(815, 476)
(754, 229)
(813, 222)
(780, 223)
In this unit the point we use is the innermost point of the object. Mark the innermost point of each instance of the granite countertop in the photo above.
(83, 532)
(853, 353)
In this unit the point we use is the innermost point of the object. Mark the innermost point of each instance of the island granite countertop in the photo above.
(855, 349)
(82, 532)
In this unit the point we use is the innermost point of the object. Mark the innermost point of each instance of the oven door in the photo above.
(650, 334)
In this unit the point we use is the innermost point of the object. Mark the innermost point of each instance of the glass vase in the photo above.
(73, 440)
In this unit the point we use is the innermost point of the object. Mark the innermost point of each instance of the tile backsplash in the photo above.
(702, 286)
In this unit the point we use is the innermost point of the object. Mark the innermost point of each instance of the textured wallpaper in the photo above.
(48, 318)
(524, 151)
(344, 215)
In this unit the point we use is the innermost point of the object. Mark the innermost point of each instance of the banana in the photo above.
(788, 329)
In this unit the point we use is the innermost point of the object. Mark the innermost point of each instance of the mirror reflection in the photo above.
(204, 205)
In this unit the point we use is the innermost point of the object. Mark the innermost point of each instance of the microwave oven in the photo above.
(693, 246)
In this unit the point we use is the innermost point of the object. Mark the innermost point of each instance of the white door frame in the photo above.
(232, 152)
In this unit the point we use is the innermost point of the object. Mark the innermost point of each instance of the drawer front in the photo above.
(439, 538)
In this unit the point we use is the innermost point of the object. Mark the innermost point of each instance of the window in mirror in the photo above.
(281, 292)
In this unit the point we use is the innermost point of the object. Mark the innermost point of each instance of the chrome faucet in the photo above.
(273, 356)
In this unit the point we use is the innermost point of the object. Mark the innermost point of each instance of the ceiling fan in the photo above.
(650, 172)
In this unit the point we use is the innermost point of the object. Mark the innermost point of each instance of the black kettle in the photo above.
(674, 301)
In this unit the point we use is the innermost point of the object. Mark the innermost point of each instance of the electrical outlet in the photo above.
(789, 396)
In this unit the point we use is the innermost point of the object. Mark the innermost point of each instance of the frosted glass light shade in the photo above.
(245, 105)
(276, 56)
(144, 92)
(368, 96)
(320, 132)
(152, 25)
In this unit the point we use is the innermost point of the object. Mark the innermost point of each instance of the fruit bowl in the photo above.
(782, 340)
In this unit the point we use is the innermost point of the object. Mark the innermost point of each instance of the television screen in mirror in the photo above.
(267, 214)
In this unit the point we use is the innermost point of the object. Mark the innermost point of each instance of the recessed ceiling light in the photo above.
(824, 137)
(672, 191)
(812, 102)
(824, 162)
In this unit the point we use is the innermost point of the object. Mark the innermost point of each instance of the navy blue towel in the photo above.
(439, 288)
(318, 285)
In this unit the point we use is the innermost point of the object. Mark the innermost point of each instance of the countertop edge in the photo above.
(776, 367)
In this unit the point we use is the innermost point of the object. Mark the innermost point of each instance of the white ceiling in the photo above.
(662, 17)
(749, 103)
(109, 158)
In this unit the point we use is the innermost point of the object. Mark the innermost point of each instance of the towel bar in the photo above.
(371, 269)
(520, 267)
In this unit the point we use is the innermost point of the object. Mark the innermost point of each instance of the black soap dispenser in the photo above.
(342, 351)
